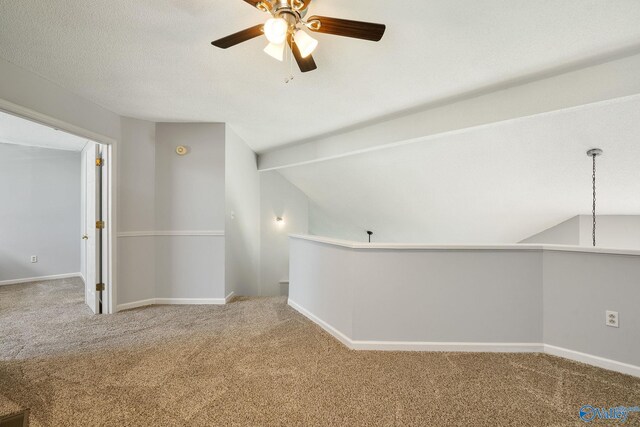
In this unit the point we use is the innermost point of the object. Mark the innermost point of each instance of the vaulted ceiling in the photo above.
(152, 59)
(499, 183)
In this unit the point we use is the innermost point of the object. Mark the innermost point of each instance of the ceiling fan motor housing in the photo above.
(282, 9)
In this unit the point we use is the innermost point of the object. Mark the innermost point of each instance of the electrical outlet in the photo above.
(612, 319)
(34, 258)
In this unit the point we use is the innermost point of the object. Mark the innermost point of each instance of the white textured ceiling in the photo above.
(152, 59)
(494, 184)
(19, 131)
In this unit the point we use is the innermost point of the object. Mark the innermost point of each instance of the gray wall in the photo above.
(279, 198)
(554, 296)
(40, 212)
(447, 296)
(420, 296)
(136, 211)
(578, 290)
(163, 198)
(242, 228)
(190, 189)
(190, 194)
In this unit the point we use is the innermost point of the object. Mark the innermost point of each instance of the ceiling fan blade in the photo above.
(306, 64)
(347, 28)
(253, 3)
(239, 37)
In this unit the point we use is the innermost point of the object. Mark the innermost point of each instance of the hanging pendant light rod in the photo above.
(593, 153)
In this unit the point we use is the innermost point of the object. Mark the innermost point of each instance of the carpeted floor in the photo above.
(256, 362)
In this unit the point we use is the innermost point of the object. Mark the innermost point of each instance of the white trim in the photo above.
(175, 301)
(40, 278)
(170, 233)
(136, 304)
(577, 356)
(111, 269)
(504, 247)
(229, 297)
(460, 347)
(324, 325)
(190, 301)
(589, 359)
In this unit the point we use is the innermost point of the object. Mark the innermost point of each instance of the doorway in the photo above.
(44, 216)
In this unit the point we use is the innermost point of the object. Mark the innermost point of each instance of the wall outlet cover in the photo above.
(34, 258)
(612, 319)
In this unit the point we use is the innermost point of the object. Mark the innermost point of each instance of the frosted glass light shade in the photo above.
(275, 51)
(306, 43)
(275, 29)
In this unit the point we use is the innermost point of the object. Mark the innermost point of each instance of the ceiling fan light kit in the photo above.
(287, 24)
(275, 51)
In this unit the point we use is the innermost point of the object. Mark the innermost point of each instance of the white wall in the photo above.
(40, 212)
(279, 198)
(242, 224)
(565, 233)
(322, 223)
(190, 194)
(612, 231)
(495, 184)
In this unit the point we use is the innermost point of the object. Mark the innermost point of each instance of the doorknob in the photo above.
(85, 237)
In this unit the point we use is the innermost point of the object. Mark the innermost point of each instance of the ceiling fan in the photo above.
(286, 26)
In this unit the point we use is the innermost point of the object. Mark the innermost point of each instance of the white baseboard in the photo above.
(460, 347)
(577, 356)
(190, 301)
(39, 279)
(174, 301)
(324, 325)
(589, 359)
(229, 297)
(136, 304)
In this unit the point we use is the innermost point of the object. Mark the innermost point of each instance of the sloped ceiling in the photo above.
(18, 131)
(495, 184)
(152, 59)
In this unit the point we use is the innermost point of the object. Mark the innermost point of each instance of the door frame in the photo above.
(111, 145)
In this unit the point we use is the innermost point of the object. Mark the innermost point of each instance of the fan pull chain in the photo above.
(290, 59)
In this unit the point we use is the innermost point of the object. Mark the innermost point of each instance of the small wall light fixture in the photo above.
(181, 150)
(279, 220)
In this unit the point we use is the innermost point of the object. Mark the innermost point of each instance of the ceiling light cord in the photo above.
(593, 153)
(593, 234)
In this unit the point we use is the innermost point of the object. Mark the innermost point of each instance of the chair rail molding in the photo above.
(195, 233)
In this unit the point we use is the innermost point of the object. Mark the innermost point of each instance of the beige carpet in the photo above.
(256, 362)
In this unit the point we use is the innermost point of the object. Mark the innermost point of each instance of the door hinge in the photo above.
(99, 225)
(99, 161)
(99, 286)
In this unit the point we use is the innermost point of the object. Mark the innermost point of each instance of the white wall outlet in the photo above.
(612, 319)
(34, 258)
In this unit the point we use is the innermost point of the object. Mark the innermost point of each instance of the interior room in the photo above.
(317, 212)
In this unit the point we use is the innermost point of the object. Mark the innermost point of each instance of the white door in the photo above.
(91, 235)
